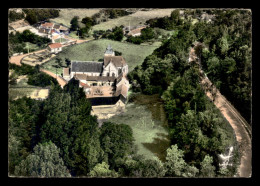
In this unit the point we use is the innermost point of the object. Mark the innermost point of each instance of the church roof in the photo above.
(118, 61)
(86, 66)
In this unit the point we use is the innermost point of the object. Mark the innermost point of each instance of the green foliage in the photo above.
(139, 167)
(102, 170)
(45, 161)
(176, 165)
(34, 15)
(35, 77)
(22, 119)
(74, 23)
(229, 50)
(116, 141)
(116, 34)
(167, 23)
(14, 16)
(207, 169)
(17, 41)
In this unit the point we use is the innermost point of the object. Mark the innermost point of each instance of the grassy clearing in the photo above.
(67, 14)
(94, 50)
(21, 89)
(143, 115)
(135, 19)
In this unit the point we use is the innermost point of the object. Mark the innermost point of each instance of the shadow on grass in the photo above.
(159, 145)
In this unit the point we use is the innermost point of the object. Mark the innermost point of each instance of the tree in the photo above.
(175, 164)
(102, 170)
(45, 161)
(207, 169)
(116, 141)
(68, 62)
(147, 33)
(74, 23)
(87, 21)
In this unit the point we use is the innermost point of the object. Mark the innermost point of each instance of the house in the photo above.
(136, 31)
(106, 80)
(47, 25)
(55, 48)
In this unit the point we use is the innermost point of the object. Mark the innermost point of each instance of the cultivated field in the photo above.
(94, 51)
(135, 19)
(67, 14)
(146, 117)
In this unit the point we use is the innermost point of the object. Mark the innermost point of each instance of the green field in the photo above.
(135, 19)
(21, 89)
(60, 40)
(146, 117)
(94, 50)
(67, 14)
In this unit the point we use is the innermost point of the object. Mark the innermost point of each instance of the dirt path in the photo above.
(242, 130)
(17, 59)
(60, 80)
(240, 126)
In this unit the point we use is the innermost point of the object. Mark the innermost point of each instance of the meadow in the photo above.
(94, 51)
(145, 115)
(67, 14)
(21, 89)
(135, 19)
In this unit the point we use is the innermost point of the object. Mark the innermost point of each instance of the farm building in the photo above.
(136, 31)
(55, 48)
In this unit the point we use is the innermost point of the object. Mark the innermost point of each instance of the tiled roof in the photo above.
(94, 78)
(118, 61)
(87, 66)
(135, 31)
(85, 85)
(43, 30)
(66, 71)
(47, 24)
(80, 76)
(56, 26)
(100, 78)
(63, 28)
(122, 89)
(55, 45)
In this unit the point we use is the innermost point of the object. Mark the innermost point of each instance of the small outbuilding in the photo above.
(55, 48)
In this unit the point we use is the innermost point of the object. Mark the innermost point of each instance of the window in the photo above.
(108, 74)
(113, 74)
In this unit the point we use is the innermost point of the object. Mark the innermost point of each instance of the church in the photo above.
(105, 83)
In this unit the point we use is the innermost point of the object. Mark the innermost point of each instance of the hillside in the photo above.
(94, 51)
(135, 19)
(67, 14)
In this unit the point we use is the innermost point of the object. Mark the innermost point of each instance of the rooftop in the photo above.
(118, 61)
(47, 24)
(66, 72)
(86, 66)
(55, 45)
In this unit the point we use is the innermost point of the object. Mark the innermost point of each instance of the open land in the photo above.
(135, 19)
(94, 51)
(146, 116)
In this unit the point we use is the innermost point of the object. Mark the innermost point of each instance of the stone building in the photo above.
(101, 79)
